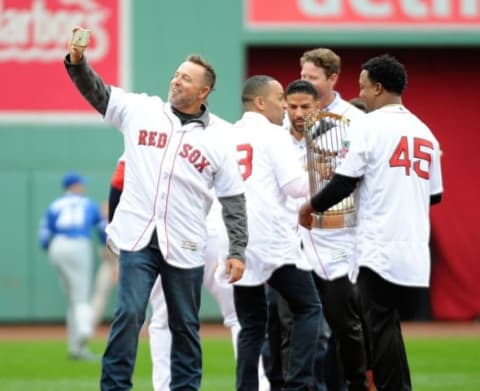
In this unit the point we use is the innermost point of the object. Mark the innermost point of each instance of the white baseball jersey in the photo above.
(170, 169)
(341, 107)
(398, 158)
(268, 162)
(294, 204)
(331, 251)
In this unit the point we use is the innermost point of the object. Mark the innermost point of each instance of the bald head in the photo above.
(264, 95)
(255, 86)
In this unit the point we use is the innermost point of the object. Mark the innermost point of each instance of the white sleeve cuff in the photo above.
(297, 188)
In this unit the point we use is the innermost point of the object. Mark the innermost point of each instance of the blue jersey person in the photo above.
(66, 234)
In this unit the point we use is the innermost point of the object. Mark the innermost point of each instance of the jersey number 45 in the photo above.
(422, 152)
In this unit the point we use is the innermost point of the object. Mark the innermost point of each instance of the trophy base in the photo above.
(327, 220)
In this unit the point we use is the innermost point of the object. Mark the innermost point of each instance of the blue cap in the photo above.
(72, 178)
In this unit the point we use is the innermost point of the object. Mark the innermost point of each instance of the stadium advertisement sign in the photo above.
(364, 14)
(33, 42)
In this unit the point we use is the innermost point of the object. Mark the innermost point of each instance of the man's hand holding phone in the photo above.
(78, 43)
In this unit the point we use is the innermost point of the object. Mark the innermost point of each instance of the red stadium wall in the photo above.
(442, 91)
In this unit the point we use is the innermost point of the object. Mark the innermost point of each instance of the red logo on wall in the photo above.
(33, 42)
(338, 14)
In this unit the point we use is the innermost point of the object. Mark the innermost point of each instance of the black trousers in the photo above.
(274, 355)
(297, 287)
(381, 301)
(341, 306)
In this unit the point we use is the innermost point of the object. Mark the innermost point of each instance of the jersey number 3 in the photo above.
(245, 161)
(421, 152)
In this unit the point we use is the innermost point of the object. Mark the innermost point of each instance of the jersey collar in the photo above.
(202, 118)
(394, 108)
(252, 115)
(336, 101)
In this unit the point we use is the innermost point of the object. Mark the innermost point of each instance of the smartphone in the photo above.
(81, 37)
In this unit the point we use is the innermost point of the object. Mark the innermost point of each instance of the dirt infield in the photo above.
(216, 330)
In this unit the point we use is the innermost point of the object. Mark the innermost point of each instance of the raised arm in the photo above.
(87, 81)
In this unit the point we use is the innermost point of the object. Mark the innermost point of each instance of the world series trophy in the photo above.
(324, 135)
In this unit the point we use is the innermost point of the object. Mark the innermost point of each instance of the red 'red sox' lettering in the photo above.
(151, 138)
(194, 156)
(142, 137)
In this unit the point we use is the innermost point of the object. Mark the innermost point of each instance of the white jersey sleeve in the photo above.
(357, 150)
(285, 159)
(226, 184)
(122, 104)
(397, 157)
(228, 179)
(436, 184)
(297, 188)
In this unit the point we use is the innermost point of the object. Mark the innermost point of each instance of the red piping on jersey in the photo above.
(165, 256)
(143, 233)
(168, 193)
(316, 253)
(168, 189)
(158, 185)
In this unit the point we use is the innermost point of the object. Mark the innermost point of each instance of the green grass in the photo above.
(436, 364)
(451, 364)
(43, 366)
